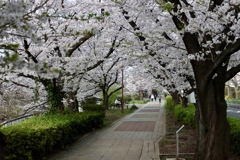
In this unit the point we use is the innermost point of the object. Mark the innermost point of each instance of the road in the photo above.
(233, 112)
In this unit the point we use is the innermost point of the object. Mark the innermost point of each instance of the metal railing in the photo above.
(19, 119)
(15, 120)
(177, 145)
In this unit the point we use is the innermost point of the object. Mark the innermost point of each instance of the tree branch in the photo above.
(223, 57)
(21, 85)
(115, 91)
(111, 50)
(113, 64)
(27, 76)
(232, 72)
(26, 47)
(78, 43)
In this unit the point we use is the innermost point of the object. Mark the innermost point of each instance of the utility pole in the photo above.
(122, 89)
(141, 94)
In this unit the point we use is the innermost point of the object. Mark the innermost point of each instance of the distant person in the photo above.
(152, 97)
(117, 103)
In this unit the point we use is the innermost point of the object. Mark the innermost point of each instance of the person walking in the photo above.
(152, 97)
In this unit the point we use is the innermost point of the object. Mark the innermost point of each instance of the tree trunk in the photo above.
(105, 100)
(212, 126)
(184, 102)
(175, 98)
(228, 89)
(211, 121)
(236, 92)
(72, 102)
(2, 145)
(55, 95)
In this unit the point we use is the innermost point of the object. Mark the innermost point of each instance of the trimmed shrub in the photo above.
(133, 107)
(235, 142)
(185, 115)
(168, 104)
(93, 108)
(234, 135)
(190, 115)
(90, 100)
(35, 137)
(179, 113)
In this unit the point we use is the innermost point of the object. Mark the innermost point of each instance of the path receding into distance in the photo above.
(133, 137)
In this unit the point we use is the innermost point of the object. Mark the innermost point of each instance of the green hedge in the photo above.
(168, 104)
(234, 135)
(185, 115)
(93, 108)
(35, 137)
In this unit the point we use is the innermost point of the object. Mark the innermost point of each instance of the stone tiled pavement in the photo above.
(134, 137)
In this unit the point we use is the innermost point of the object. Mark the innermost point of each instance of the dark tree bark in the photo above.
(2, 144)
(212, 125)
(210, 76)
(105, 99)
(55, 95)
(184, 102)
(175, 98)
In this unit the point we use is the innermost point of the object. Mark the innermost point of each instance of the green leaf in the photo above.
(45, 14)
(99, 18)
(107, 13)
(13, 57)
(12, 47)
(56, 71)
(89, 32)
(45, 66)
(166, 7)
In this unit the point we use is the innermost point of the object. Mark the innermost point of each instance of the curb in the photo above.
(156, 144)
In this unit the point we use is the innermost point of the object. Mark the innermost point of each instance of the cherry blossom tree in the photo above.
(105, 76)
(132, 82)
(173, 77)
(15, 18)
(203, 33)
(211, 39)
(163, 60)
(106, 79)
(58, 53)
(207, 31)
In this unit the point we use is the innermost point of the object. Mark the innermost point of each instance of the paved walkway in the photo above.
(133, 137)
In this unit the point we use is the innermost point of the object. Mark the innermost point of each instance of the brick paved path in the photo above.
(133, 137)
